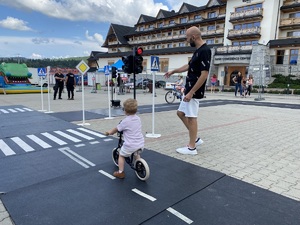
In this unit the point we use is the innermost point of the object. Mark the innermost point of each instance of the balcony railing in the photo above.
(212, 32)
(233, 49)
(290, 22)
(290, 2)
(246, 13)
(244, 32)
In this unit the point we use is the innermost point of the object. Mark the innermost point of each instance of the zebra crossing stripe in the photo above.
(76, 140)
(6, 149)
(21, 110)
(92, 132)
(53, 138)
(39, 141)
(30, 110)
(80, 134)
(12, 110)
(4, 111)
(22, 144)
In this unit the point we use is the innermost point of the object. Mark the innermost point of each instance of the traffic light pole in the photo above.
(134, 78)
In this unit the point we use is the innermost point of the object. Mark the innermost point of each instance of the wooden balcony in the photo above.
(247, 15)
(289, 23)
(244, 33)
(233, 49)
(212, 33)
(290, 6)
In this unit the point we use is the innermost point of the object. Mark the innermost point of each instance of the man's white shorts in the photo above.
(191, 108)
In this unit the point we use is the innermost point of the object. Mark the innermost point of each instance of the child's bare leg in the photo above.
(121, 162)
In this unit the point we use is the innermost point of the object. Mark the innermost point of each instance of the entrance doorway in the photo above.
(232, 71)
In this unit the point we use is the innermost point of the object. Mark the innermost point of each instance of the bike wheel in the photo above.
(170, 97)
(142, 169)
(115, 156)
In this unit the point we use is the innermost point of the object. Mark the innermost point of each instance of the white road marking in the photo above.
(53, 138)
(6, 149)
(30, 110)
(107, 139)
(179, 215)
(80, 134)
(79, 145)
(107, 174)
(22, 144)
(12, 110)
(76, 157)
(21, 110)
(76, 140)
(92, 132)
(94, 142)
(39, 141)
(144, 195)
(4, 111)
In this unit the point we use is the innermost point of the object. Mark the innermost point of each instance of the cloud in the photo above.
(110, 11)
(96, 37)
(14, 24)
(40, 40)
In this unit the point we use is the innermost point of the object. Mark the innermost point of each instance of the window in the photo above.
(210, 41)
(279, 56)
(181, 44)
(164, 64)
(182, 32)
(170, 45)
(172, 22)
(169, 33)
(293, 56)
(249, 7)
(197, 17)
(212, 15)
(160, 25)
(183, 20)
(141, 28)
(211, 27)
(293, 34)
(294, 15)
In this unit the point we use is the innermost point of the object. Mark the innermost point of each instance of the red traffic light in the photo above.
(139, 51)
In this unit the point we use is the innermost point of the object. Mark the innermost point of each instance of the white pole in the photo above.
(153, 135)
(48, 77)
(42, 99)
(109, 102)
(82, 99)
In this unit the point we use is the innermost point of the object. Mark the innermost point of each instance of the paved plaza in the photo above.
(257, 144)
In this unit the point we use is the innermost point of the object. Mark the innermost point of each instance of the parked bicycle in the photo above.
(173, 94)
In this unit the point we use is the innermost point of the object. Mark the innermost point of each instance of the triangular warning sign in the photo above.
(41, 72)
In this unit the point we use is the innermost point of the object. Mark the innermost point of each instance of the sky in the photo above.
(52, 29)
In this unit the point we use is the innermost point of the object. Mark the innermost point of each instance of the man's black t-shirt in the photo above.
(71, 79)
(59, 82)
(199, 62)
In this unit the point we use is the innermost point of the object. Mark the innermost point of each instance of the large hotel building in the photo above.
(258, 37)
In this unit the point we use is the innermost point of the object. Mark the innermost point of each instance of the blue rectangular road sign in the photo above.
(154, 63)
(41, 72)
(106, 70)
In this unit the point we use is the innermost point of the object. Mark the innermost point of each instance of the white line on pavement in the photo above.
(107, 174)
(6, 149)
(67, 136)
(179, 215)
(22, 144)
(28, 109)
(39, 141)
(94, 142)
(4, 111)
(53, 138)
(73, 158)
(80, 134)
(144, 195)
(12, 110)
(92, 132)
(21, 110)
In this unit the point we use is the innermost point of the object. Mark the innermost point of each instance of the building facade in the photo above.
(258, 37)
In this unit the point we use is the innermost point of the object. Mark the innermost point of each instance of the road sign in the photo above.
(82, 67)
(154, 63)
(41, 72)
(106, 70)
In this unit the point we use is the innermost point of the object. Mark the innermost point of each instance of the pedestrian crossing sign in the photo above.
(154, 63)
(41, 72)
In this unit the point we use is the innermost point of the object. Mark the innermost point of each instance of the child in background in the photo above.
(131, 126)
(213, 81)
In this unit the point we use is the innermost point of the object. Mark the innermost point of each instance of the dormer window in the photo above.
(160, 25)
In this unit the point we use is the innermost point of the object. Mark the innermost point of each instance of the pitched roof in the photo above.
(120, 31)
(145, 19)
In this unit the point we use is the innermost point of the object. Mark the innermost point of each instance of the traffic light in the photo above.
(113, 72)
(138, 60)
(128, 64)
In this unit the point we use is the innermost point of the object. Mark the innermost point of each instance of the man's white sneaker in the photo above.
(199, 141)
(187, 151)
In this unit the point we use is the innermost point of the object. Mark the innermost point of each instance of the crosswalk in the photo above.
(15, 110)
(44, 140)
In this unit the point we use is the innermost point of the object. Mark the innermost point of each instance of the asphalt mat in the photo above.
(48, 187)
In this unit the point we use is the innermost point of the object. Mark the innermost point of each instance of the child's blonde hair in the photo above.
(130, 106)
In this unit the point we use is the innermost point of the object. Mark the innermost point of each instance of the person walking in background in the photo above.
(70, 84)
(213, 81)
(238, 84)
(59, 84)
(131, 126)
(179, 84)
(250, 84)
(198, 68)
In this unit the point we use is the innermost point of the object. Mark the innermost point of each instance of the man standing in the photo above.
(70, 84)
(59, 84)
(197, 73)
